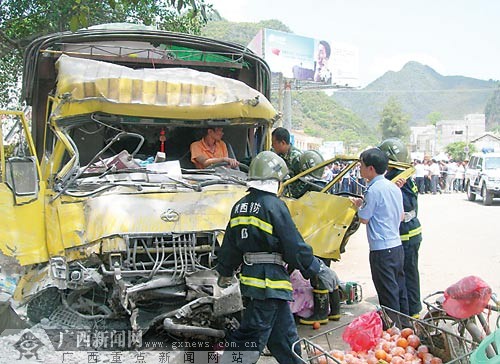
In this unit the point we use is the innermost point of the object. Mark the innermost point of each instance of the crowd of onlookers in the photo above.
(431, 176)
(434, 177)
(351, 182)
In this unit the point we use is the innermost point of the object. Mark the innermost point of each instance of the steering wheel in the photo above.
(122, 135)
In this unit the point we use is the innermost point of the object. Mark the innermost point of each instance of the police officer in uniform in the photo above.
(261, 238)
(410, 229)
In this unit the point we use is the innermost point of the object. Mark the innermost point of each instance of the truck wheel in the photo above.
(471, 196)
(487, 196)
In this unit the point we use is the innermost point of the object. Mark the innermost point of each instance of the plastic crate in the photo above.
(488, 351)
(448, 346)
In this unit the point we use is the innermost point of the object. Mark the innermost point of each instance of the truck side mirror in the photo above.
(22, 176)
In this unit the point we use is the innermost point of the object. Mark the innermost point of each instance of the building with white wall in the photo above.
(305, 142)
(488, 142)
(432, 140)
(330, 149)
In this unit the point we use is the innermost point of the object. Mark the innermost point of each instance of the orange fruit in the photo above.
(421, 350)
(380, 354)
(402, 342)
(436, 360)
(316, 325)
(413, 340)
(393, 331)
(337, 354)
(397, 351)
(406, 332)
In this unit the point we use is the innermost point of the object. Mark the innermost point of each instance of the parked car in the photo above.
(482, 177)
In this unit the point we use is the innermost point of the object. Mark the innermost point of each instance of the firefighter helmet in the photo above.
(395, 149)
(309, 159)
(267, 165)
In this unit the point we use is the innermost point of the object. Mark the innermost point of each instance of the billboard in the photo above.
(308, 59)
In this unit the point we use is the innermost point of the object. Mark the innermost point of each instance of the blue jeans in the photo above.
(420, 184)
(434, 183)
(265, 322)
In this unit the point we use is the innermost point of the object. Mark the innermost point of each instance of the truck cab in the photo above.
(104, 212)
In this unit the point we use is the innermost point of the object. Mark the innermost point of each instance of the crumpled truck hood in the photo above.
(85, 223)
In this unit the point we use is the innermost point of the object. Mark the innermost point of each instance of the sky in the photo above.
(454, 37)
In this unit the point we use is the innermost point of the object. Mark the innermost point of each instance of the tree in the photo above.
(434, 117)
(457, 150)
(241, 33)
(393, 122)
(21, 21)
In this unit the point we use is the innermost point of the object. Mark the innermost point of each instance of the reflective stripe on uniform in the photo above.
(252, 220)
(265, 283)
(321, 291)
(414, 187)
(411, 234)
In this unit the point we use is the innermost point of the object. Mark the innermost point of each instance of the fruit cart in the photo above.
(443, 345)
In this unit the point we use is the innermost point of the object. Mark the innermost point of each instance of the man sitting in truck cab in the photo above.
(211, 149)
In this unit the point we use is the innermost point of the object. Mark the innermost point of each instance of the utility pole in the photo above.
(466, 139)
(287, 107)
(280, 98)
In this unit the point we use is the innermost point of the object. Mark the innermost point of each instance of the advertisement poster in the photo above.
(308, 59)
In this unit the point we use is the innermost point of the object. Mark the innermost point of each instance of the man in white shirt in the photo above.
(420, 173)
(450, 176)
(435, 172)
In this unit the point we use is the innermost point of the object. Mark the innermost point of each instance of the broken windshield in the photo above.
(114, 151)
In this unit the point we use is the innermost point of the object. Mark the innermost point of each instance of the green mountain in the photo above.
(492, 112)
(318, 115)
(420, 90)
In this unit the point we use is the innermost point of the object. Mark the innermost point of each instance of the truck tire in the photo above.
(471, 196)
(487, 196)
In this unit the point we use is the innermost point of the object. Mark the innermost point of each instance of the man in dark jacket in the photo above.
(410, 229)
(261, 238)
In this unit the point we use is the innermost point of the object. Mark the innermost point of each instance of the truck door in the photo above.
(22, 225)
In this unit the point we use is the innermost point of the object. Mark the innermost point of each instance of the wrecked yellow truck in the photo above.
(102, 208)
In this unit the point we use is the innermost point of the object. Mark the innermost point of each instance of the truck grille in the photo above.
(176, 254)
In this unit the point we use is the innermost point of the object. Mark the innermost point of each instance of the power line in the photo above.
(419, 91)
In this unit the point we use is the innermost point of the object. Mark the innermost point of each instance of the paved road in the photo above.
(460, 238)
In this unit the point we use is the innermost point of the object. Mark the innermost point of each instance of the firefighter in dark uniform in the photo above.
(410, 229)
(326, 303)
(260, 239)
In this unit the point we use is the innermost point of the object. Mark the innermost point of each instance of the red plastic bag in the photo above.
(468, 297)
(363, 332)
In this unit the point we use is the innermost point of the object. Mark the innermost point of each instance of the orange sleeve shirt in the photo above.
(199, 149)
